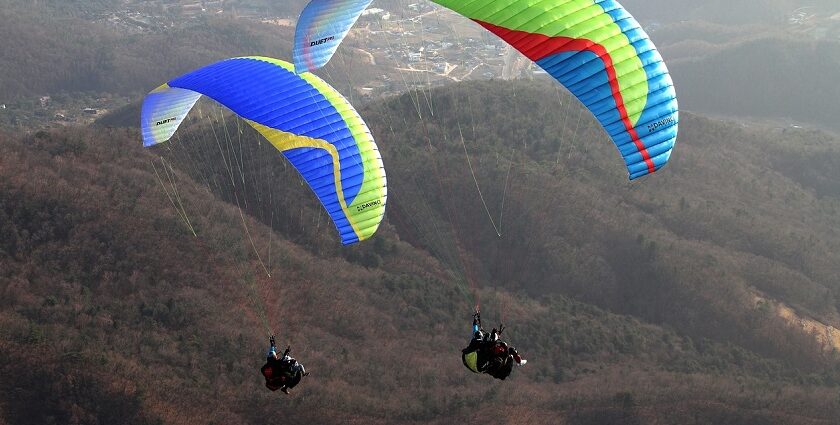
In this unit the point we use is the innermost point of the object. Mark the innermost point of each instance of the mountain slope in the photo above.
(776, 210)
(48, 52)
(133, 317)
(767, 78)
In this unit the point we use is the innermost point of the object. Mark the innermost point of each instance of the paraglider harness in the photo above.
(280, 372)
(487, 353)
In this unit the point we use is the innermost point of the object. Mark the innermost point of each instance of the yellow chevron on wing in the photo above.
(284, 141)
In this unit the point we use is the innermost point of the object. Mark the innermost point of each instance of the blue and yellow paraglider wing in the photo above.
(314, 127)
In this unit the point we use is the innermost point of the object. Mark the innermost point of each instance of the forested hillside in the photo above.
(634, 302)
(771, 77)
(41, 55)
(45, 52)
(139, 286)
(664, 249)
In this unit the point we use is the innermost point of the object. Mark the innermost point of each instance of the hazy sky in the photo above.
(727, 11)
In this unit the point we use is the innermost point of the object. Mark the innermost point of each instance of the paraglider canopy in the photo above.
(594, 48)
(313, 126)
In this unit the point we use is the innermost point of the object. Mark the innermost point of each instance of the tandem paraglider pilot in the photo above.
(487, 353)
(281, 372)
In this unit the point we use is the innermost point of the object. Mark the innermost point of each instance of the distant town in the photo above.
(808, 22)
(138, 16)
(422, 46)
(417, 46)
(423, 39)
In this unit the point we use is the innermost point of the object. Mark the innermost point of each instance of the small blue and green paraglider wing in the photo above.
(321, 28)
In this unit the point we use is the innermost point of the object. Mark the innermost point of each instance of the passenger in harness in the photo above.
(281, 372)
(488, 354)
